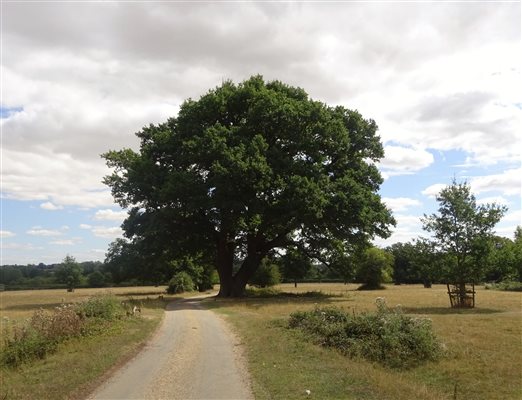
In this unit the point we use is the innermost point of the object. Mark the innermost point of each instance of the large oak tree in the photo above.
(249, 168)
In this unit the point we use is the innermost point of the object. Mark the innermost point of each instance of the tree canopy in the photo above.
(246, 169)
(463, 229)
(69, 272)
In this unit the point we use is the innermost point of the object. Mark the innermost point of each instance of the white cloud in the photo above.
(110, 215)
(6, 234)
(107, 232)
(21, 246)
(400, 160)
(408, 227)
(55, 177)
(50, 206)
(90, 83)
(65, 242)
(507, 225)
(103, 231)
(514, 216)
(43, 232)
(508, 182)
(400, 203)
(433, 190)
(456, 106)
(493, 199)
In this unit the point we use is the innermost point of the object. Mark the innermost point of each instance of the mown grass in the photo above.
(80, 364)
(483, 357)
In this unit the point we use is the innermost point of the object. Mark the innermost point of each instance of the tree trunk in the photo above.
(234, 285)
(225, 265)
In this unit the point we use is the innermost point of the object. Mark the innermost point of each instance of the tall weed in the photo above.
(45, 330)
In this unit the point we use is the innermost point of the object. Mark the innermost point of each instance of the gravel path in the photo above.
(193, 356)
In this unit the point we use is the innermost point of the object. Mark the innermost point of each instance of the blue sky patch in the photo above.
(6, 112)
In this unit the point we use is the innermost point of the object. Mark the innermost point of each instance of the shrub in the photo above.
(105, 307)
(45, 330)
(24, 343)
(40, 336)
(375, 268)
(61, 323)
(180, 282)
(387, 336)
(509, 286)
(266, 275)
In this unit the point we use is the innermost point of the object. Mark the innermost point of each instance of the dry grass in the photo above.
(484, 345)
(483, 361)
(17, 305)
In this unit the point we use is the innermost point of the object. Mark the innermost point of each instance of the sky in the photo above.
(441, 79)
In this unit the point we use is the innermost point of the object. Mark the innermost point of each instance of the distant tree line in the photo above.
(414, 262)
(56, 275)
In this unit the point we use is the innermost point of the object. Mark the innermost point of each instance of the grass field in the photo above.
(483, 358)
(80, 364)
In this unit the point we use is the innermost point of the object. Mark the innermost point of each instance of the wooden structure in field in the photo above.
(461, 295)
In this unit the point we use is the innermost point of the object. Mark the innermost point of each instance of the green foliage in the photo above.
(462, 230)
(374, 268)
(125, 262)
(343, 266)
(180, 282)
(106, 307)
(25, 344)
(266, 275)
(69, 272)
(242, 170)
(387, 336)
(507, 286)
(201, 273)
(294, 265)
(42, 334)
(97, 279)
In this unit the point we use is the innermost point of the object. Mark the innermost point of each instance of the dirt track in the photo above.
(192, 356)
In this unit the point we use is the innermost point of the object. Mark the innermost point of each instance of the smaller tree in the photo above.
(123, 261)
(375, 266)
(97, 279)
(517, 249)
(343, 267)
(295, 265)
(501, 260)
(266, 275)
(427, 261)
(69, 272)
(404, 269)
(462, 230)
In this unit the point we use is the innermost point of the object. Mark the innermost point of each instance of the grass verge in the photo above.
(80, 364)
(482, 361)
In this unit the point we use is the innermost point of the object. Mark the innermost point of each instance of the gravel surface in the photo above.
(194, 355)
